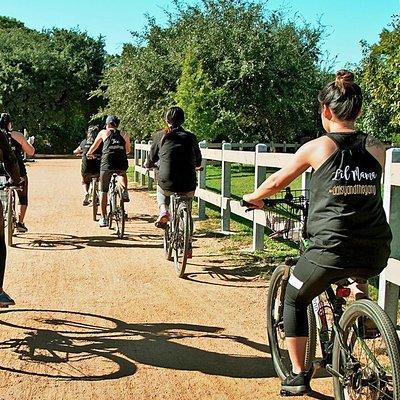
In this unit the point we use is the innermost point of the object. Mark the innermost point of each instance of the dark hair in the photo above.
(5, 120)
(92, 132)
(342, 96)
(175, 117)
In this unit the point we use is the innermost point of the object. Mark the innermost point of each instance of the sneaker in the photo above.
(296, 384)
(103, 222)
(125, 196)
(162, 220)
(85, 201)
(6, 300)
(20, 226)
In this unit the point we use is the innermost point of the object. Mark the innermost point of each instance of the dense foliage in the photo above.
(46, 79)
(239, 73)
(380, 80)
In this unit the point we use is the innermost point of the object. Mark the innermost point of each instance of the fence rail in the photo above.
(262, 159)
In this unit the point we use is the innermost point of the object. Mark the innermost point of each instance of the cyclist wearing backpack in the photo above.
(347, 228)
(10, 163)
(114, 160)
(90, 168)
(19, 145)
(178, 154)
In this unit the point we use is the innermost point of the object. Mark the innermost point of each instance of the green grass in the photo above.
(242, 179)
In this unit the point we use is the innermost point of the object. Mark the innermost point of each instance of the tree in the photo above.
(380, 81)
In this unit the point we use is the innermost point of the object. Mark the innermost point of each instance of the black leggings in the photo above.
(307, 281)
(3, 251)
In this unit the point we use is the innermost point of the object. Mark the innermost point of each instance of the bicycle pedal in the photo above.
(285, 393)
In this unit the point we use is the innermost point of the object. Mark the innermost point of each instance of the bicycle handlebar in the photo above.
(269, 203)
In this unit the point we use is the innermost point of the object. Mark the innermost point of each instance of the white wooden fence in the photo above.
(389, 281)
(261, 159)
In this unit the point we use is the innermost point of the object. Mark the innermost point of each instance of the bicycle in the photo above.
(178, 232)
(116, 206)
(9, 209)
(349, 348)
(94, 196)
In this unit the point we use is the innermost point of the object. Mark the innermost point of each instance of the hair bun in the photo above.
(343, 80)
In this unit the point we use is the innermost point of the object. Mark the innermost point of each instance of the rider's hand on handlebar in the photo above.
(258, 204)
(90, 156)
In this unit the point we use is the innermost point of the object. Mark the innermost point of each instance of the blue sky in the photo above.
(347, 21)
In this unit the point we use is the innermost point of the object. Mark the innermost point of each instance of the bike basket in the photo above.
(286, 220)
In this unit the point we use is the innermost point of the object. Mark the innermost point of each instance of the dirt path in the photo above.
(102, 318)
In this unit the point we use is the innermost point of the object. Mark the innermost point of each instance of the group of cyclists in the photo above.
(347, 228)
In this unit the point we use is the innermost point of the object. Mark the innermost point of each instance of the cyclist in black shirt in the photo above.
(90, 167)
(10, 163)
(114, 160)
(19, 145)
(177, 154)
(347, 228)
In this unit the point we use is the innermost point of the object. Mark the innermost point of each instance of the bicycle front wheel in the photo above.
(275, 329)
(181, 242)
(366, 354)
(10, 217)
(120, 213)
(95, 199)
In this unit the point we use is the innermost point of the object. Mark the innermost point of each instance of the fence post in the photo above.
(136, 153)
(284, 147)
(150, 180)
(142, 162)
(225, 190)
(389, 291)
(260, 173)
(241, 149)
(202, 183)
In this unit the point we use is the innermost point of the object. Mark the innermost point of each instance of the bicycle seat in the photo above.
(290, 261)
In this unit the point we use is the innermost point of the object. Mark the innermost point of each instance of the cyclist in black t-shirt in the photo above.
(90, 167)
(114, 160)
(347, 229)
(19, 145)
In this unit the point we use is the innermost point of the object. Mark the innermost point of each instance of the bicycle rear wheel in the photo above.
(111, 208)
(10, 217)
(275, 331)
(369, 364)
(119, 212)
(181, 242)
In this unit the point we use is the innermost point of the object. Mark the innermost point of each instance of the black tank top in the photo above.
(347, 225)
(114, 154)
(17, 149)
(91, 166)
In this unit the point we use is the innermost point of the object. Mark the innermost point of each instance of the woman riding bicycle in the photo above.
(177, 153)
(114, 160)
(347, 228)
(90, 167)
(10, 163)
(19, 145)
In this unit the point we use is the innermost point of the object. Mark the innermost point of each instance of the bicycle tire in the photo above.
(280, 356)
(95, 199)
(119, 212)
(181, 245)
(10, 217)
(388, 333)
(110, 211)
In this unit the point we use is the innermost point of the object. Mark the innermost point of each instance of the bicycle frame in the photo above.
(178, 201)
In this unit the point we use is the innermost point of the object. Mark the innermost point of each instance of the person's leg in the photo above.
(86, 178)
(163, 201)
(23, 205)
(5, 299)
(123, 181)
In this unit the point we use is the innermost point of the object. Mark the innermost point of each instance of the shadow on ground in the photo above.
(82, 346)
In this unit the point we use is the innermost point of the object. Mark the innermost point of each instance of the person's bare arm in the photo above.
(127, 143)
(78, 151)
(376, 148)
(26, 147)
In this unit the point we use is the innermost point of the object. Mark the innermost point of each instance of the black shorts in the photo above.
(105, 178)
(87, 177)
